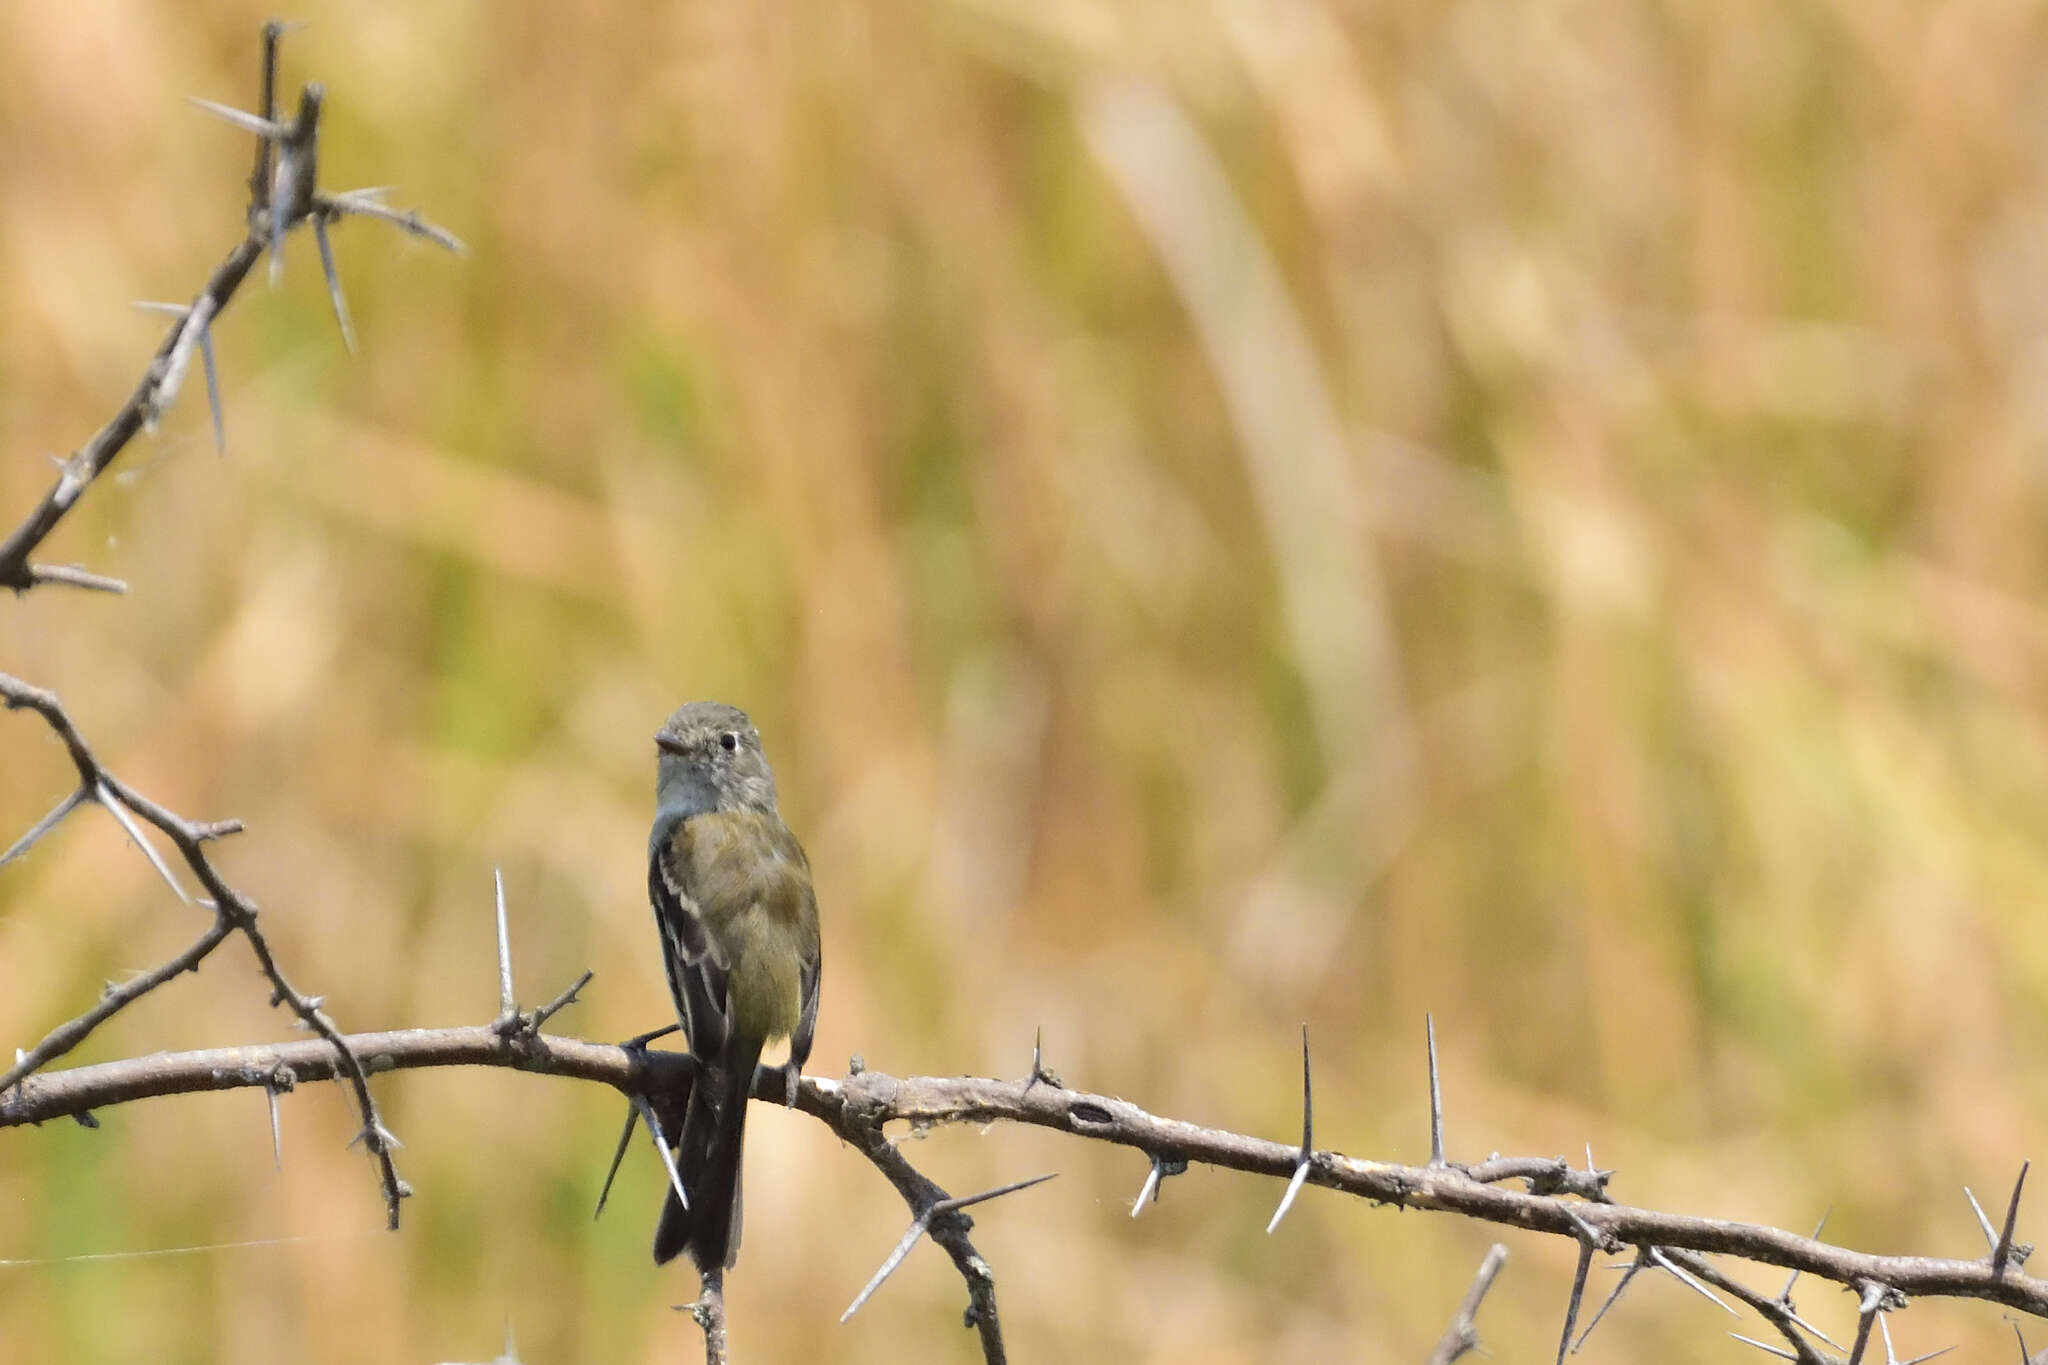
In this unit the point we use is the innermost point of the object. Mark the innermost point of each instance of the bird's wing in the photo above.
(696, 978)
(807, 1023)
(794, 871)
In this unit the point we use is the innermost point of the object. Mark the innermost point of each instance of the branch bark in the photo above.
(280, 199)
(1557, 1200)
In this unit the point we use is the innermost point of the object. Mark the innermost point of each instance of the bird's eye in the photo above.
(729, 741)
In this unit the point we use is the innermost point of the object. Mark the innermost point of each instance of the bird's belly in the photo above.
(762, 987)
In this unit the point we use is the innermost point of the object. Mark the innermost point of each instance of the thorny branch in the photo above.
(1557, 1198)
(290, 185)
(233, 913)
(283, 195)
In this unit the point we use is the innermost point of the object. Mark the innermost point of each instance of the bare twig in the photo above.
(858, 1117)
(533, 1020)
(46, 1095)
(1578, 1296)
(1867, 1309)
(920, 1225)
(1641, 1262)
(283, 195)
(709, 1310)
(1463, 1333)
(233, 912)
(112, 1001)
(90, 460)
(1777, 1312)
(266, 105)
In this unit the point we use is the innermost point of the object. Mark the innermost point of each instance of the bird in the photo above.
(738, 918)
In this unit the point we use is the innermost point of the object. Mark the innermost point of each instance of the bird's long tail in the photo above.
(708, 1158)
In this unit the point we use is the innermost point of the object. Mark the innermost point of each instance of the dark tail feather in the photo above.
(708, 1158)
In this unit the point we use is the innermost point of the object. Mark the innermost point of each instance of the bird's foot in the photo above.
(792, 1078)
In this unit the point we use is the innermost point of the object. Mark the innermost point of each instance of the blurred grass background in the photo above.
(1225, 514)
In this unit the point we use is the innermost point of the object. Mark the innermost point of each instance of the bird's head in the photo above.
(709, 758)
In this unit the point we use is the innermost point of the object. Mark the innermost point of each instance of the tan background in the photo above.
(1225, 514)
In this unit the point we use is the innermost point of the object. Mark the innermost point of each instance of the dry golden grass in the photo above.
(1225, 513)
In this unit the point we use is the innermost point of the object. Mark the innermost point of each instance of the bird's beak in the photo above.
(668, 743)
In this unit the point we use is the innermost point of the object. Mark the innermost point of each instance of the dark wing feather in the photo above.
(807, 1024)
(695, 977)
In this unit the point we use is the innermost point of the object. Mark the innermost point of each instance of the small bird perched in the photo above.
(739, 934)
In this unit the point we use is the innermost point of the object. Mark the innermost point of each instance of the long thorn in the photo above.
(276, 1128)
(1308, 1104)
(44, 825)
(1891, 1357)
(366, 204)
(267, 129)
(220, 434)
(2002, 1253)
(1148, 1191)
(348, 333)
(1436, 1100)
(625, 1139)
(1571, 1309)
(1642, 1259)
(1811, 1330)
(922, 1223)
(668, 1158)
(1037, 1059)
(120, 812)
(1867, 1311)
(1785, 1294)
(1691, 1281)
(1308, 1139)
(508, 1007)
(71, 576)
(1916, 1360)
(888, 1267)
(1287, 1200)
(1983, 1221)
